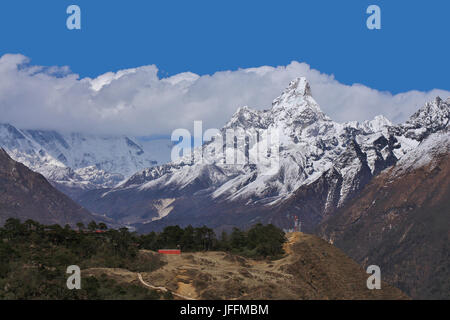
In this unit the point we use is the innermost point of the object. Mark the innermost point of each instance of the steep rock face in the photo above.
(401, 221)
(348, 175)
(25, 194)
(312, 150)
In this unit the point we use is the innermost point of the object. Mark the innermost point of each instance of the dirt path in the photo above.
(292, 239)
(163, 289)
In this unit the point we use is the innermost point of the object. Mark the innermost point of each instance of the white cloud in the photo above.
(136, 101)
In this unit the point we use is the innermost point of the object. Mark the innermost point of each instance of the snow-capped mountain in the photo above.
(309, 144)
(314, 153)
(75, 162)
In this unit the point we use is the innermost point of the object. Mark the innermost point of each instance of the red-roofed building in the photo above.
(169, 251)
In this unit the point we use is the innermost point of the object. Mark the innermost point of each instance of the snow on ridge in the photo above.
(425, 153)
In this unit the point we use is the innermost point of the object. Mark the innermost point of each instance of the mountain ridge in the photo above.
(346, 155)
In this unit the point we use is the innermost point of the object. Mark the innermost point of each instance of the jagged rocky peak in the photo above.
(296, 106)
(299, 87)
(432, 117)
(246, 117)
(377, 124)
(435, 110)
(295, 95)
(382, 120)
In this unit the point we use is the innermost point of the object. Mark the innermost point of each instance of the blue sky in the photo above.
(205, 36)
(355, 73)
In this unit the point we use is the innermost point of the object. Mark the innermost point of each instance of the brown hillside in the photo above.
(25, 194)
(311, 269)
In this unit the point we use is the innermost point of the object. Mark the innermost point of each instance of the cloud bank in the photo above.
(138, 102)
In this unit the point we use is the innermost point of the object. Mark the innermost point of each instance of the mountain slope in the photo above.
(25, 194)
(401, 221)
